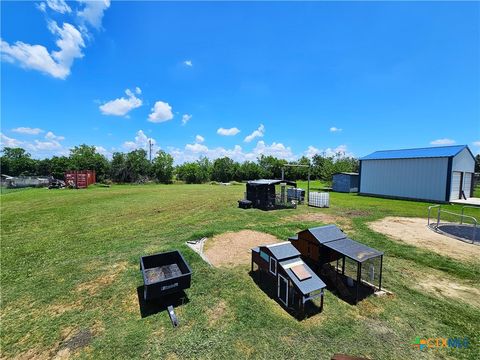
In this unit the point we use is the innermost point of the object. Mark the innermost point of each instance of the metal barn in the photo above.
(439, 174)
(345, 182)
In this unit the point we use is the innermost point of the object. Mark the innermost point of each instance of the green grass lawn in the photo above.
(69, 263)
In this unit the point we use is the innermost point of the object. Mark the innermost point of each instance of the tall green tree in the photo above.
(271, 166)
(162, 167)
(224, 169)
(16, 161)
(85, 157)
(137, 165)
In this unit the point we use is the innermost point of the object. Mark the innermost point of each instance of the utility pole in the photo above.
(150, 146)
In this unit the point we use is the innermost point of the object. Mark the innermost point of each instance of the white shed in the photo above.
(439, 174)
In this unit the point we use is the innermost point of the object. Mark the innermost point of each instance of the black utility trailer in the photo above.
(165, 274)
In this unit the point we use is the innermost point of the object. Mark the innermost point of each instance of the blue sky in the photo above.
(239, 79)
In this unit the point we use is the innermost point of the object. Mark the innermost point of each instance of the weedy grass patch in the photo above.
(69, 270)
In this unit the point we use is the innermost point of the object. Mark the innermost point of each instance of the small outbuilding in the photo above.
(263, 195)
(353, 269)
(439, 174)
(345, 182)
(282, 270)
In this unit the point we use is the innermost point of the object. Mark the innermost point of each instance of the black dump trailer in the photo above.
(165, 274)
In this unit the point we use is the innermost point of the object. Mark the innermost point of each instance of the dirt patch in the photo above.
(216, 313)
(448, 288)
(93, 286)
(59, 309)
(73, 341)
(324, 218)
(414, 231)
(233, 248)
(355, 213)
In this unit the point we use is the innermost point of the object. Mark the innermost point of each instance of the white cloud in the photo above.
(444, 141)
(257, 133)
(36, 57)
(27, 130)
(121, 106)
(101, 150)
(199, 139)
(188, 63)
(51, 136)
(335, 129)
(138, 90)
(228, 132)
(45, 145)
(41, 6)
(275, 149)
(92, 12)
(192, 152)
(59, 6)
(340, 151)
(141, 142)
(9, 142)
(161, 112)
(186, 118)
(38, 148)
(476, 143)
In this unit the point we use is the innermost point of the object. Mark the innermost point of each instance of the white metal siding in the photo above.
(455, 189)
(463, 162)
(424, 178)
(467, 184)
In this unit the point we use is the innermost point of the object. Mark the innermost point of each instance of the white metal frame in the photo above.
(286, 290)
(270, 265)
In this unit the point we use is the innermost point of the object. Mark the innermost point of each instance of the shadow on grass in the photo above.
(156, 306)
(267, 285)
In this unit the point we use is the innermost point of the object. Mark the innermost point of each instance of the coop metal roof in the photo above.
(334, 238)
(283, 250)
(271, 182)
(306, 286)
(327, 233)
(353, 249)
(430, 152)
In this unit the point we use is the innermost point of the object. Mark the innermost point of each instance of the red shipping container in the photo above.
(80, 179)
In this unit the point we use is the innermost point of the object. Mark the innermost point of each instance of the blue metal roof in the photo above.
(306, 286)
(283, 250)
(327, 233)
(431, 152)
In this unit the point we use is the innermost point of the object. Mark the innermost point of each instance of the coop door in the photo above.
(283, 289)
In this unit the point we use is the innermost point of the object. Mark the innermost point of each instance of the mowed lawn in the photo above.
(70, 266)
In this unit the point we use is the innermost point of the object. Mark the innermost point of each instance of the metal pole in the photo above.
(359, 275)
(381, 271)
(283, 173)
(308, 187)
(150, 146)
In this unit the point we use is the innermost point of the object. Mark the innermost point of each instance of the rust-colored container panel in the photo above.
(80, 179)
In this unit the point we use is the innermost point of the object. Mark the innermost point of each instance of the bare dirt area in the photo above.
(414, 231)
(448, 288)
(93, 286)
(323, 218)
(233, 248)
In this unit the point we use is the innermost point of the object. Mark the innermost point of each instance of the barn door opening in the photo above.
(467, 184)
(456, 184)
(283, 289)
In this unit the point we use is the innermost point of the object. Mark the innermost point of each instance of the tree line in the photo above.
(134, 166)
